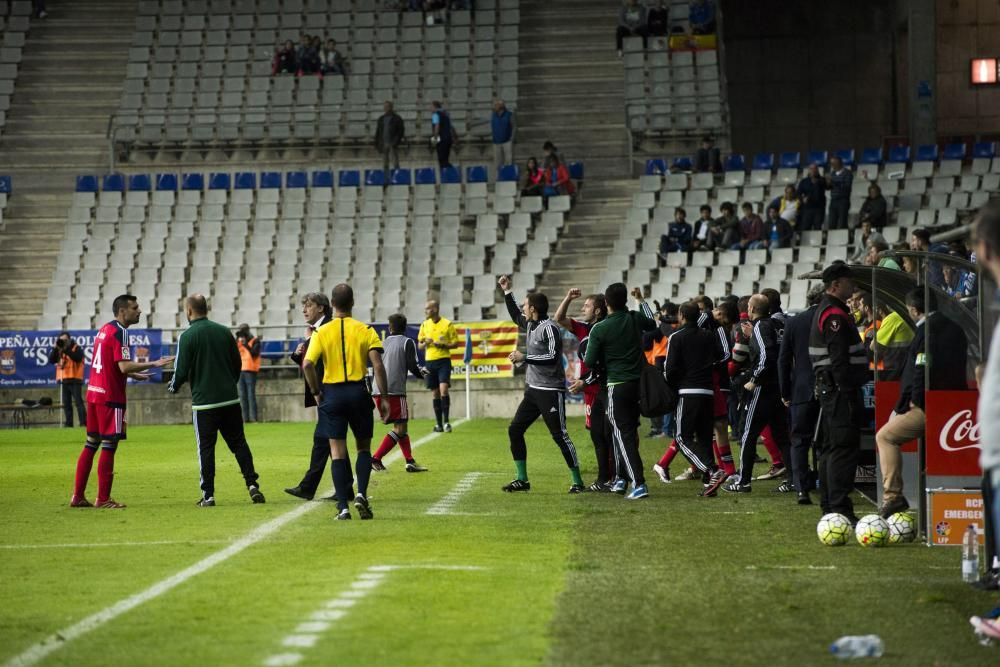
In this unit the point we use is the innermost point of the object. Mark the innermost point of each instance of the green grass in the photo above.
(566, 580)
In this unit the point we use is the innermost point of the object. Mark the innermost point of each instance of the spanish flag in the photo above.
(488, 344)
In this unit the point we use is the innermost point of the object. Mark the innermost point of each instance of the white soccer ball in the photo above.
(872, 531)
(902, 528)
(834, 530)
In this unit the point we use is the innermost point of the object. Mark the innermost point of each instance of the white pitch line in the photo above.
(791, 567)
(93, 545)
(446, 504)
(283, 659)
(36, 652)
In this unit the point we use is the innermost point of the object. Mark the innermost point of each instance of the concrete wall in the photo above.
(966, 29)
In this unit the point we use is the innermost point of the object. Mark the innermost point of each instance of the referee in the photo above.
(436, 337)
(345, 346)
(207, 358)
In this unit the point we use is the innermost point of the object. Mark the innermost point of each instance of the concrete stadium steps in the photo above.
(571, 86)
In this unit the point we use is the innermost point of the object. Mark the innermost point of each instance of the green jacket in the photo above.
(207, 358)
(615, 343)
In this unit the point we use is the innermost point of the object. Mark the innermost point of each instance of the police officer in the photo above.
(840, 367)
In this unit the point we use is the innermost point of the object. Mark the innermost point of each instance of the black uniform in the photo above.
(692, 355)
(841, 369)
(763, 404)
(797, 387)
(600, 429)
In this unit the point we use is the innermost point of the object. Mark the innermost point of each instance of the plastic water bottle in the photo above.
(857, 646)
(774, 235)
(970, 555)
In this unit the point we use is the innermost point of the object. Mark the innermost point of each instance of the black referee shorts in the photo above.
(346, 405)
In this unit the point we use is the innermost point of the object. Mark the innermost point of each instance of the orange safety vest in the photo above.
(873, 330)
(67, 369)
(659, 349)
(249, 363)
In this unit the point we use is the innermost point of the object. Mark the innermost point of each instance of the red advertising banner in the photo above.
(886, 396)
(952, 435)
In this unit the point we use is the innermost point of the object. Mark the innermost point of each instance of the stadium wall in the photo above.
(966, 29)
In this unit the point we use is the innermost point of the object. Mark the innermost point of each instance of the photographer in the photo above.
(249, 347)
(68, 359)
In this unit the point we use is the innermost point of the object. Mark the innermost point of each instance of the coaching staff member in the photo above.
(68, 359)
(207, 358)
(345, 346)
(840, 366)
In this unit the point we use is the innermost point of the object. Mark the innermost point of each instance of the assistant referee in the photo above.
(345, 346)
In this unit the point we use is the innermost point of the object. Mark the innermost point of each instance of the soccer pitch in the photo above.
(450, 572)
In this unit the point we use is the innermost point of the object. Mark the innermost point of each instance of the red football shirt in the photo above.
(107, 382)
(582, 332)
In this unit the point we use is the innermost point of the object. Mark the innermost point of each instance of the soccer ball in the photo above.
(902, 528)
(872, 531)
(833, 530)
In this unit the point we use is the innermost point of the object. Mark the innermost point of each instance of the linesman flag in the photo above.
(468, 347)
(487, 346)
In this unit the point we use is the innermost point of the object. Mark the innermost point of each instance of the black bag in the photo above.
(656, 397)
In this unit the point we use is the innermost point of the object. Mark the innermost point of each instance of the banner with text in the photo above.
(952, 435)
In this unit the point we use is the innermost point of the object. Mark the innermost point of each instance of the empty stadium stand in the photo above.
(14, 20)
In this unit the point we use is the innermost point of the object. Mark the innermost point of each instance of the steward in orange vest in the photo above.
(69, 360)
(249, 347)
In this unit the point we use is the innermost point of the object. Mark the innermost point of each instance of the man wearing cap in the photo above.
(840, 366)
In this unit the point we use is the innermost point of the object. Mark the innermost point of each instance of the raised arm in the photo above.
(515, 313)
(561, 315)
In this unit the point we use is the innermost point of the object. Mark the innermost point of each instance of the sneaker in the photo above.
(343, 515)
(736, 487)
(298, 493)
(206, 502)
(897, 504)
(986, 626)
(438, 429)
(255, 495)
(662, 473)
(577, 488)
(378, 466)
(773, 471)
(79, 501)
(516, 485)
(687, 475)
(598, 487)
(804, 498)
(447, 428)
(638, 492)
(111, 504)
(364, 509)
(619, 487)
(716, 480)
(413, 466)
(784, 487)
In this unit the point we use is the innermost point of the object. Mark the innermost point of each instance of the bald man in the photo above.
(207, 358)
(437, 336)
(763, 398)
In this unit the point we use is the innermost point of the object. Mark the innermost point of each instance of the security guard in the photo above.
(345, 347)
(840, 366)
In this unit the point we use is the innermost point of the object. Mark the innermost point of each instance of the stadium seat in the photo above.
(820, 158)
(982, 155)
(86, 184)
(846, 155)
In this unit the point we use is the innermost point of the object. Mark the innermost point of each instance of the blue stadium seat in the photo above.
(509, 172)
(576, 171)
(322, 179)
(270, 180)
(349, 178)
(477, 174)
(763, 161)
(820, 158)
(296, 179)
(792, 160)
(735, 162)
(113, 183)
(984, 149)
(166, 182)
(682, 164)
(927, 153)
(246, 180)
(426, 176)
(194, 181)
(139, 183)
(86, 183)
(656, 166)
(846, 156)
(451, 175)
(954, 152)
(400, 177)
(273, 349)
(871, 156)
(899, 154)
(219, 180)
(374, 177)
(5, 185)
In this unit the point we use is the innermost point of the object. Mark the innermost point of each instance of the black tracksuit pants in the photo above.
(600, 435)
(839, 446)
(227, 420)
(694, 428)
(763, 408)
(550, 405)
(623, 415)
(803, 417)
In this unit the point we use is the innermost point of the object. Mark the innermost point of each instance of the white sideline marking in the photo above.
(93, 545)
(791, 567)
(53, 642)
(446, 504)
(300, 641)
(282, 659)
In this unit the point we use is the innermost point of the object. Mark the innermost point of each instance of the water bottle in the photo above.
(970, 555)
(774, 235)
(857, 646)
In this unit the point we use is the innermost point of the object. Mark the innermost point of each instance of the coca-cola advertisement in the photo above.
(952, 434)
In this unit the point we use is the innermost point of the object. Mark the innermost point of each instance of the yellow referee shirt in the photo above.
(343, 343)
(441, 332)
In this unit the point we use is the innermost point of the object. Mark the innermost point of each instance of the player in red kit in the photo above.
(110, 368)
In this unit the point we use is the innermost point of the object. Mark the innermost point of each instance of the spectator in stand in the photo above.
(443, 133)
(502, 124)
(911, 266)
(307, 56)
(701, 16)
(708, 157)
(873, 210)
(726, 230)
(678, 236)
(812, 192)
(865, 235)
(67, 357)
(839, 181)
(958, 282)
(389, 133)
(658, 20)
(38, 9)
(534, 179)
(333, 62)
(920, 241)
(751, 230)
(788, 205)
(557, 180)
(702, 238)
(549, 148)
(876, 246)
(284, 61)
(632, 22)
(779, 232)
